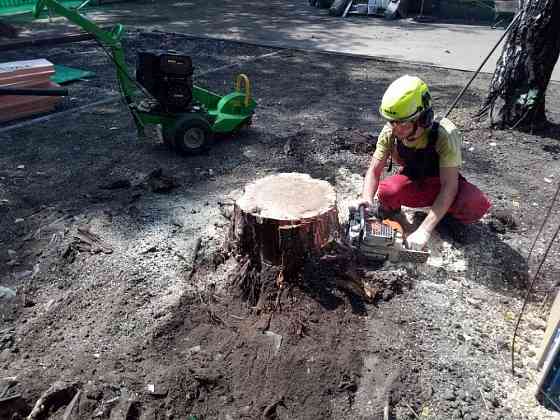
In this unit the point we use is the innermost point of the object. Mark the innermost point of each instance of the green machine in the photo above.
(163, 93)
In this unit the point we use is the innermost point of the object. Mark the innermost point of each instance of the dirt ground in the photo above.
(130, 325)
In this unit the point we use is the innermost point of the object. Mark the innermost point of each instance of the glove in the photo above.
(418, 240)
(356, 204)
(362, 202)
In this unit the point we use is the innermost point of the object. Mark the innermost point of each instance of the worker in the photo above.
(430, 155)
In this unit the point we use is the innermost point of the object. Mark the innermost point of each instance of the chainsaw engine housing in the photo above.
(377, 240)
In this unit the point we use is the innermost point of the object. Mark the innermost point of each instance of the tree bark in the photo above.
(517, 92)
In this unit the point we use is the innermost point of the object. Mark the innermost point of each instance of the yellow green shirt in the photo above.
(448, 144)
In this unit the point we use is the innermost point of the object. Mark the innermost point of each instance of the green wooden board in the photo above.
(64, 74)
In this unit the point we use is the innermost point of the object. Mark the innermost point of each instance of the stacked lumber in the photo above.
(7, 31)
(26, 74)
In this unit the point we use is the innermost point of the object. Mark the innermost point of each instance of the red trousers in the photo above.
(398, 190)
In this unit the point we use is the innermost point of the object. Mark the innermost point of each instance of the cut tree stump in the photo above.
(279, 221)
(285, 216)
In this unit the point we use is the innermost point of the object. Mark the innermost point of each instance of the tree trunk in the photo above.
(279, 221)
(517, 91)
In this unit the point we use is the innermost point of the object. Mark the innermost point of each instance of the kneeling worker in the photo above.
(430, 155)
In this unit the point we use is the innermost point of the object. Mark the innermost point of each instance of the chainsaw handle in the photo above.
(362, 210)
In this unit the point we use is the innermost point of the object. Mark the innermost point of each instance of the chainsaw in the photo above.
(380, 240)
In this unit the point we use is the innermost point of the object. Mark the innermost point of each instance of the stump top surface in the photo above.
(288, 196)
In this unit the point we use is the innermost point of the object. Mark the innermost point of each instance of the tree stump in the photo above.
(279, 221)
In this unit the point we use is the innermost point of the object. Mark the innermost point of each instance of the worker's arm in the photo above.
(383, 149)
(373, 175)
(449, 179)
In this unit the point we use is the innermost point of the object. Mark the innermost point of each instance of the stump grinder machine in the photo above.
(163, 93)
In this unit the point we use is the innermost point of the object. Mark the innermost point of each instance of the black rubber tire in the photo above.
(337, 8)
(192, 134)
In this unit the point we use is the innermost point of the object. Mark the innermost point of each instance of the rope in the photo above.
(531, 284)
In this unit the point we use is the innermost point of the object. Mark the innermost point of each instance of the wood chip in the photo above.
(86, 240)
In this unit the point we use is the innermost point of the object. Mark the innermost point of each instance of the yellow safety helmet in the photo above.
(406, 99)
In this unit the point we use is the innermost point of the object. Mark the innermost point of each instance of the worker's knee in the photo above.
(471, 204)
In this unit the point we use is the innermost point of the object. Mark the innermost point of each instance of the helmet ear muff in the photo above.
(426, 100)
(426, 117)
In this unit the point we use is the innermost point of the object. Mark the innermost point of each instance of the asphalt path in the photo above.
(294, 24)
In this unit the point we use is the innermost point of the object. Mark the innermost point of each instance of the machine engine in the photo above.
(168, 77)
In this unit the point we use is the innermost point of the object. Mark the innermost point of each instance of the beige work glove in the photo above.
(418, 240)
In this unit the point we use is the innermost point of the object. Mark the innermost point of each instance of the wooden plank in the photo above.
(39, 102)
(26, 79)
(26, 73)
(32, 83)
(7, 100)
(60, 115)
(28, 102)
(17, 113)
(24, 67)
(19, 106)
